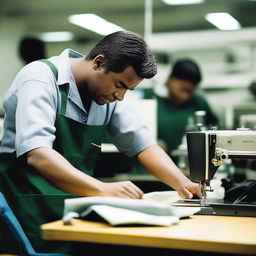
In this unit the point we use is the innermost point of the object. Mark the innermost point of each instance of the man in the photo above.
(56, 112)
(177, 111)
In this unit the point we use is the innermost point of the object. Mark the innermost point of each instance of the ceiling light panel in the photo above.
(94, 23)
(223, 21)
(59, 36)
(182, 2)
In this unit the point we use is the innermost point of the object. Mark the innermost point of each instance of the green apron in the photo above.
(34, 199)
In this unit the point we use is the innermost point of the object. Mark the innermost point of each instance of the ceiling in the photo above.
(52, 15)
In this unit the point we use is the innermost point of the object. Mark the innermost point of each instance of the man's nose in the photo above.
(120, 94)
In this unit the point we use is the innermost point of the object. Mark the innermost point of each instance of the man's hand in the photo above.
(120, 189)
(189, 189)
(156, 161)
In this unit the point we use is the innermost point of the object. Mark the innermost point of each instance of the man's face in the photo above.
(180, 90)
(108, 87)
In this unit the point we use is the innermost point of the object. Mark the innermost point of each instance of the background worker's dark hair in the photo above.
(31, 49)
(186, 69)
(252, 88)
(122, 49)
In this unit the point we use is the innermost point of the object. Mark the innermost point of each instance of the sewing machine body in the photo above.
(207, 150)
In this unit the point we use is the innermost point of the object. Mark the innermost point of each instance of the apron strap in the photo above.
(63, 88)
(52, 67)
(64, 98)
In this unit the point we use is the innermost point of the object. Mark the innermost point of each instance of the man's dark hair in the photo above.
(31, 49)
(187, 69)
(122, 49)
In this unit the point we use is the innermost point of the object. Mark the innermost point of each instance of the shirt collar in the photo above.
(65, 75)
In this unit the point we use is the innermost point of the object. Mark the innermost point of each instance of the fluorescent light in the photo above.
(223, 21)
(181, 2)
(60, 36)
(94, 23)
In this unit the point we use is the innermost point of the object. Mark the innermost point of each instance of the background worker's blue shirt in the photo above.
(33, 100)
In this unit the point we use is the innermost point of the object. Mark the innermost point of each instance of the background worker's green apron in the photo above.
(35, 200)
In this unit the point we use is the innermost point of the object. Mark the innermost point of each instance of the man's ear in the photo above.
(99, 62)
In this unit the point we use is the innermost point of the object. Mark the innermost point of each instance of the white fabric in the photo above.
(123, 211)
(118, 216)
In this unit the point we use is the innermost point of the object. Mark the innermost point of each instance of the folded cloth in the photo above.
(123, 211)
(167, 197)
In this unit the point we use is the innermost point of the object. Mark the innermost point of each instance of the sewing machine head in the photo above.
(207, 150)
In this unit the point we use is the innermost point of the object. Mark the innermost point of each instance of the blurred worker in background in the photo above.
(177, 111)
(31, 49)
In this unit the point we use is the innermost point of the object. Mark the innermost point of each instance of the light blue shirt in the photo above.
(32, 102)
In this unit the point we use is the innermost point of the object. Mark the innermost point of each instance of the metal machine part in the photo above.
(207, 150)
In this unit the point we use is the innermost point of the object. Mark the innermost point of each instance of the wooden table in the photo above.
(221, 234)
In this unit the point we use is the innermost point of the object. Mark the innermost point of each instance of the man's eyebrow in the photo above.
(125, 86)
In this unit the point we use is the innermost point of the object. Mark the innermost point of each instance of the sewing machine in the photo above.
(207, 150)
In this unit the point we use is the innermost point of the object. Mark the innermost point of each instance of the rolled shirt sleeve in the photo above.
(127, 131)
(35, 116)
